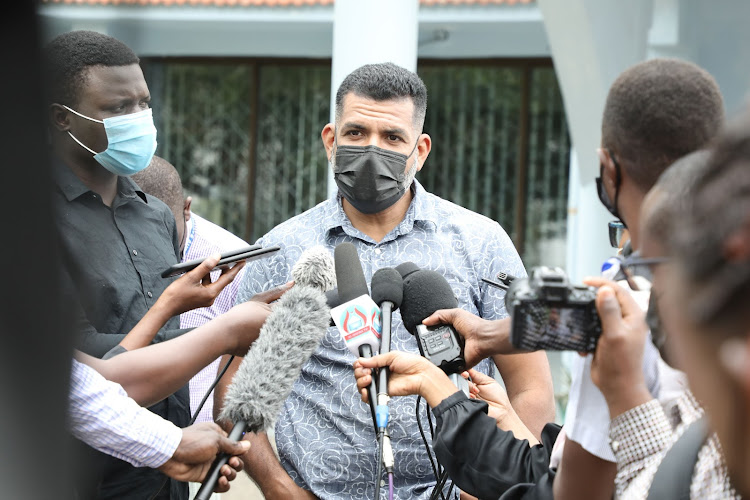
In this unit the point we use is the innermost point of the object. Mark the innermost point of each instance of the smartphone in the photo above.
(247, 253)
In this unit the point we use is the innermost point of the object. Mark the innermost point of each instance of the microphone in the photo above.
(357, 317)
(407, 268)
(424, 293)
(264, 379)
(387, 291)
(315, 268)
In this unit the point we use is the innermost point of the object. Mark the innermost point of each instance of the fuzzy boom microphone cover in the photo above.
(266, 375)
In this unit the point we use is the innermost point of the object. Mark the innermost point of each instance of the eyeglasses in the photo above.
(616, 229)
(627, 264)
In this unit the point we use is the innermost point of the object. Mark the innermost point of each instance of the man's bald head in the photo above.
(161, 180)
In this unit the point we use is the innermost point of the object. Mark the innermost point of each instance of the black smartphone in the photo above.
(247, 253)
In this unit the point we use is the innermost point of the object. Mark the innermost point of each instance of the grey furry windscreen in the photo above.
(315, 268)
(287, 339)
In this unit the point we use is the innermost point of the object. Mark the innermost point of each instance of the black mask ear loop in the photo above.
(618, 181)
(335, 146)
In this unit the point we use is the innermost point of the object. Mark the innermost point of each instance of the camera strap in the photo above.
(675, 473)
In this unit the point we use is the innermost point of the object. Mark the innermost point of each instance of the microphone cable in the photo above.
(379, 473)
(195, 415)
(435, 469)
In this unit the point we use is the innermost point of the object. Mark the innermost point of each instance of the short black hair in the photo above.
(161, 180)
(719, 206)
(658, 111)
(69, 55)
(669, 197)
(382, 82)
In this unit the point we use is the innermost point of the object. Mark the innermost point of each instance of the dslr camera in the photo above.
(547, 312)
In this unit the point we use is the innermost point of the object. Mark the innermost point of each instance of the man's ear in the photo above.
(609, 172)
(186, 208)
(59, 117)
(328, 135)
(424, 146)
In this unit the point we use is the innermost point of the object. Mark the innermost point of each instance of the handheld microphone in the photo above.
(315, 268)
(358, 317)
(387, 291)
(424, 293)
(407, 268)
(264, 379)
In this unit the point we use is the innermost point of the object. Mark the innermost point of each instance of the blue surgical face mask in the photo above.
(131, 142)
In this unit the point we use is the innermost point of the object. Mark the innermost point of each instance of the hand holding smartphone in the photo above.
(248, 253)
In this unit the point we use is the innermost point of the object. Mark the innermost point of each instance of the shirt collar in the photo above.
(190, 233)
(72, 187)
(420, 210)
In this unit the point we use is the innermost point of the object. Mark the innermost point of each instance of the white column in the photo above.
(371, 31)
(591, 43)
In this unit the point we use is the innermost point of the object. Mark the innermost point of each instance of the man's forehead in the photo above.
(114, 79)
(398, 109)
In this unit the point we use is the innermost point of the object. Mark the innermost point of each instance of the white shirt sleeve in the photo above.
(587, 416)
(103, 416)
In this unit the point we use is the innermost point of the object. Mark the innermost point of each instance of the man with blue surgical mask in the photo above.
(114, 239)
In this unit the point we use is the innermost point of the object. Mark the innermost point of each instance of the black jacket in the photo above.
(486, 461)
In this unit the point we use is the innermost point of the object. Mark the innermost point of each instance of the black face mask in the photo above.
(603, 196)
(372, 179)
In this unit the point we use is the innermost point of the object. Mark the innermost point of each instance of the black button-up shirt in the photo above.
(113, 258)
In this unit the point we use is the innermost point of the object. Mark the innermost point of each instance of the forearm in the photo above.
(97, 344)
(154, 372)
(583, 475)
(147, 328)
(510, 421)
(483, 459)
(528, 382)
(101, 415)
(436, 387)
(263, 466)
(534, 408)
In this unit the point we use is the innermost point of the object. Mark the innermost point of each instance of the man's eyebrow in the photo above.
(395, 131)
(354, 125)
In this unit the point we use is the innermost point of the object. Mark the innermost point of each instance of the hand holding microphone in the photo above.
(482, 337)
(424, 293)
(288, 338)
(357, 317)
(409, 374)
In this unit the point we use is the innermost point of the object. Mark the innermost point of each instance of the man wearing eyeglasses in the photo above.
(656, 112)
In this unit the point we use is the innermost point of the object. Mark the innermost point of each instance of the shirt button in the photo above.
(377, 251)
(150, 295)
(135, 252)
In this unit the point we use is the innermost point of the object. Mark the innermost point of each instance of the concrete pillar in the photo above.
(371, 31)
(591, 43)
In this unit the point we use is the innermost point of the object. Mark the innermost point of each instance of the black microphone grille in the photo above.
(387, 285)
(424, 293)
(350, 278)
(406, 268)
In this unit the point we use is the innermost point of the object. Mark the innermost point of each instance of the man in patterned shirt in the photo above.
(325, 438)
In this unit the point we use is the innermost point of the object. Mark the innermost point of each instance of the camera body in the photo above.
(549, 313)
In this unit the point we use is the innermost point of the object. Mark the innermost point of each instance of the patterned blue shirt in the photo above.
(324, 435)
